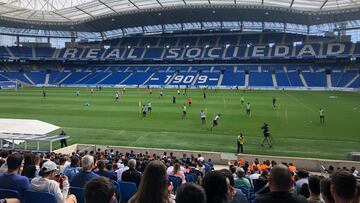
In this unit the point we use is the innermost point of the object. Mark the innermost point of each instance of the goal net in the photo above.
(10, 84)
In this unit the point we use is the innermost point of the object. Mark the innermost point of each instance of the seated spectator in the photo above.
(122, 166)
(343, 186)
(132, 175)
(100, 190)
(190, 193)
(178, 173)
(238, 195)
(325, 190)
(302, 177)
(74, 168)
(37, 160)
(153, 186)
(85, 174)
(280, 183)
(104, 172)
(254, 176)
(217, 187)
(241, 181)
(314, 188)
(48, 183)
(29, 167)
(11, 200)
(261, 184)
(3, 158)
(11, 179)
(356, 198)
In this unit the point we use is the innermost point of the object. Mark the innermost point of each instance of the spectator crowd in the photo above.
(98, 171)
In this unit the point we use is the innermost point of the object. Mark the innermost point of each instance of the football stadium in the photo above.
(179, 101)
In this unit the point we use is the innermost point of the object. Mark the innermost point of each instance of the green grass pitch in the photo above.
(294, 125)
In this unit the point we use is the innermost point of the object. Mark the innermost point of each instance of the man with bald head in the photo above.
(280, 184)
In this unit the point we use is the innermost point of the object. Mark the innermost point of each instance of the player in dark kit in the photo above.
(44, 94)
(322, 116)
(174, 100)
(274, 102)
(143, 111)
(204, 94)
(267, 135)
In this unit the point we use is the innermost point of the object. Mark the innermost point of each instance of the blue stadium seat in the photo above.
(127, 190)
(5, 193)
(176, 182)
(79, 193)
(36, 197)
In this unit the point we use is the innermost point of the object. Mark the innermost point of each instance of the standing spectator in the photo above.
(280, 183)
(325, 189)
(37, 161)
(63, 141)
(190, 193)
(314, 188)
(11, 179)
(99, 190)
(86, 174)
(132, 175)
(343, 186)
(217, 187)
(241, 181)
(47, 183)
(153, 187)
(73, 169)
(104, 172)
(178, 173)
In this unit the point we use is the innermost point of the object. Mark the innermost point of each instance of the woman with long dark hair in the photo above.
(153, 186)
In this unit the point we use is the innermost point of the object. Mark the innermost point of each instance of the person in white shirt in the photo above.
(215, 121)
(202, 116)
(122, 166)
(48, 183)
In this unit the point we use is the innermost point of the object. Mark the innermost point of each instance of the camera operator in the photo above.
(267, 135)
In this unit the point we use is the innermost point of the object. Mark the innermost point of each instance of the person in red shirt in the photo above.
(189, 101)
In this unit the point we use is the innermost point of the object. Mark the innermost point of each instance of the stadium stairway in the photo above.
(328, 81)
(303, 80)
(149, 78)
(99, 82)
(28, 78)
(220, 79)
(246, 80)
(274, 80)
(47, 77)
(66, 77)
(126, 78)
(353, 80)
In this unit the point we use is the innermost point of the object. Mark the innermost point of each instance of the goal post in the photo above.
(12, 84)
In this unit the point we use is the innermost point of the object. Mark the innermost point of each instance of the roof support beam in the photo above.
(160, 3)
(87, 13)
(184, 2)
(109, 7)
(209, 1)
(291, 4)
(262, 2)
(136, 6)
(61, 16)
(322, 6)
(12, 11)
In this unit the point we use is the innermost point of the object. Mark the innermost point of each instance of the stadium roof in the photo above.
(102, 15)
